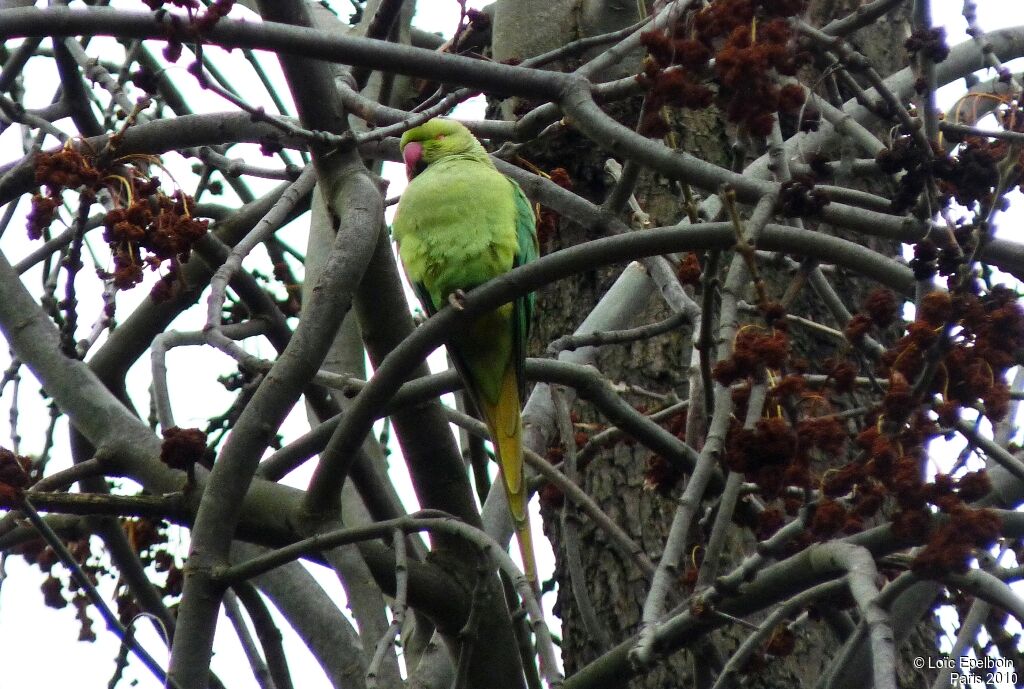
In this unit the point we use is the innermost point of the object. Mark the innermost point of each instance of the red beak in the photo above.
(412, 154)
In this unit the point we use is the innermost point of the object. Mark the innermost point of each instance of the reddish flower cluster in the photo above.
(53, 588)
(974, 172)
(884, 467)
(470, 37)
(763, 453)
(190, 5)
(41, 215)
(950, 546)
(882, 307)
(196, 25)
(768, 522)
(930, 42)
(969, 177)
(67, 168)
(842, 373)
(889, 470)
(15, 475)
(782, 642)
(182, 447)
(944, 253)
(166, 235)
(972, 366)
(906, 156)
(754, 347)
(689, 270)
(198, 22)
(214, 11)
(751, 42)
(979, 335)
(798, 198)
(547, 219)
(148, 538)
(146, 80)
(776, 455)
(972, 362)
(879, 310)
(551, 496)
(151, 229)
(660, 474)
(668, 75)
(744, 68)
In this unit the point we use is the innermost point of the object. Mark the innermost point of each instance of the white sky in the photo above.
(31, 635)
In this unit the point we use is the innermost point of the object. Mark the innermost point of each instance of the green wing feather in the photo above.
(528, 250)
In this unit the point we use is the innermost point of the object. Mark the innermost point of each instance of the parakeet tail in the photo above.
(505, 423)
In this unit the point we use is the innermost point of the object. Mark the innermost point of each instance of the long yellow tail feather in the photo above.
(505, 423)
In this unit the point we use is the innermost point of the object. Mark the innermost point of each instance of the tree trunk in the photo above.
(620, 478)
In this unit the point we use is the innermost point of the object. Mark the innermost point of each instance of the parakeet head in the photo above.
(434, 140)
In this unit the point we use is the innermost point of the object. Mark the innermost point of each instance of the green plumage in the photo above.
(459, 224)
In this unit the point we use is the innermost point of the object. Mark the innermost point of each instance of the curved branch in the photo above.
(289, 40)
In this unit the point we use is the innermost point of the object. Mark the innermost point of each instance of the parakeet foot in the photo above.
(457, 299)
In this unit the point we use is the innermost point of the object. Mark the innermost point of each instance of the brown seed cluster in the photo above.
(754, 347)
(967, 340)
(752, 44)
(660, 474)
(958, 348)
(149, 229)
(182, 447)
(969, 177)
(799, 198)
(146, 233)
(929, 42)
(198, 22)
(54, 588)
(988, 330)
(147, 538)
(15, 476)
(547, 219)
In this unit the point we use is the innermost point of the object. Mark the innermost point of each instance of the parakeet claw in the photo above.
(457, 299)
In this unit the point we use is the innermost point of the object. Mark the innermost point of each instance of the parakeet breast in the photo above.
(456, 226)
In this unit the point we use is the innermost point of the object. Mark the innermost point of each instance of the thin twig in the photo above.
(260, 671)
(398, 608)
(598, 339)
(596, 631)
(83, 581)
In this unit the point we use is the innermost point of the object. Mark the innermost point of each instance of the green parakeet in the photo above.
(459, 224)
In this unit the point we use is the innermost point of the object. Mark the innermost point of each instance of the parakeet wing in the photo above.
(528, 250)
